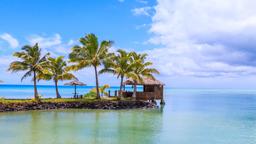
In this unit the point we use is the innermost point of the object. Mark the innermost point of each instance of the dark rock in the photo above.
(115, 105)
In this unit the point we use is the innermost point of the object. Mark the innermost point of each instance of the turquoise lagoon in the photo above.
(190, 116)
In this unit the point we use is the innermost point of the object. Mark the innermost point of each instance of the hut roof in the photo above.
(75, 82)
(146, 81)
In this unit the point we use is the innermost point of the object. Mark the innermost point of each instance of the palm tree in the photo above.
(102, 90)
(31, 62)
(120, 65)
(91, 53)
(141, 69)
(57, 71)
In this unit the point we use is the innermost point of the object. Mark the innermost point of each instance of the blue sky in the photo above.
(194, 44)
(109, 19)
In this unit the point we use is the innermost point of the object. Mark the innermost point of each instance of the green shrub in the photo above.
(90, 95)
(102, 90)
(40, 96)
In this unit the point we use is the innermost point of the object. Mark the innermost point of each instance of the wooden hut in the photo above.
(152, 90)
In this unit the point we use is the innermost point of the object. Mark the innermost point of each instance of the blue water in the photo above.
(190, 116)
(48, 91)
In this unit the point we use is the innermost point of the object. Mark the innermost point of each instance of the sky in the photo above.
(194, 44)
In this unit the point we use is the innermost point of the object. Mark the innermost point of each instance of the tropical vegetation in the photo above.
(121, 65)
(31, 61)
(102, 90)
(90, 53)
(56, 70)
(141, 69)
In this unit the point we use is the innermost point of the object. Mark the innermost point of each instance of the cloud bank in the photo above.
(13, 42)
(52, 44)
(204, 38)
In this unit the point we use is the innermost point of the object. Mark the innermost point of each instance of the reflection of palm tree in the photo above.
(120, 65)
(56, 70)
(35, 129)
(97, 127)
(56, 121)
(91, 53)
(32, 62)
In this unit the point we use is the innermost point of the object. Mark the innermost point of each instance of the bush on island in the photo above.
(90, 94)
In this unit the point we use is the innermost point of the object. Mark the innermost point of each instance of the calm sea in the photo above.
(47, 91)
(190, 116)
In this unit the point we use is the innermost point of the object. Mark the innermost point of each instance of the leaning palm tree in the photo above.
(31, 62)
(91, 53)
(56, 70)
(141, 69)
(120, 65)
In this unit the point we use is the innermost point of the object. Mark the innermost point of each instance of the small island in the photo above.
(130, 67)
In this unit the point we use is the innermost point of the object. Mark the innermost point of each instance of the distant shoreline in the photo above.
(28, 105)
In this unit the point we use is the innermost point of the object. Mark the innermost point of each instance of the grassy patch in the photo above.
(54, 100)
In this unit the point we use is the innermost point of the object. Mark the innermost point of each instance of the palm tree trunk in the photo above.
(97, 82)
(121, 86)
(35, 87)
(56, 88)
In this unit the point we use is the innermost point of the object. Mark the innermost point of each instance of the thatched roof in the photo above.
(75, 82)
(146, 81)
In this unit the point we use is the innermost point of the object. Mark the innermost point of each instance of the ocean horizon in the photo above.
(16, 91)
(26, 91)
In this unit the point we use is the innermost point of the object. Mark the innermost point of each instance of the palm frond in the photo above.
(27, 74)
(18, 66)
(66, 76)
(107, 71)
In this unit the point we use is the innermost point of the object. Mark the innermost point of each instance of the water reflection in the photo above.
(189, 117)
(83, 126)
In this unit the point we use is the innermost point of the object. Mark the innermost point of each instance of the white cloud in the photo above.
(205, 38)
(5, 60)
(14, 43)
(52, 44)
(142, 11)
(44, 41)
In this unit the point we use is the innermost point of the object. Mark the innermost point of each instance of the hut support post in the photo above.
(162, 102)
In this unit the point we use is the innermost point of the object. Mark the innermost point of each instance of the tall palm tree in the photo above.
(91, 53)
(141, 69)
(57, 70)
(120, 65)
(31, 62)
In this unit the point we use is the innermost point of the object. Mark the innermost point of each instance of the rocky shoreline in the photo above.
(107, 105)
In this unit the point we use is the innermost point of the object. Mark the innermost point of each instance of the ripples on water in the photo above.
(190, 116)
